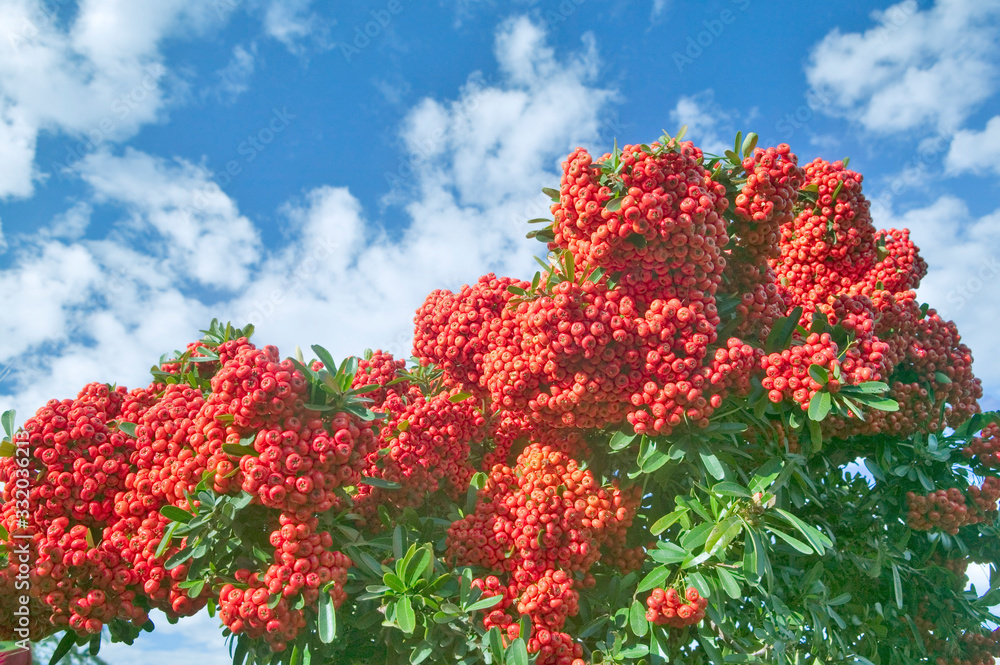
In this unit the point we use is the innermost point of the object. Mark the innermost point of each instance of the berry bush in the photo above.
(717, 426)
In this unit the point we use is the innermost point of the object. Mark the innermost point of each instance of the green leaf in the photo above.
(942, 378)
(819, 406)
(405, 616)
(178, 558)
(326, 619)
(8, 422)
(551, 193)
(816, 538)
(394, 582)
(67, 642)
(7, 448)
(655, 578)
(708, 641)
(791, 540)
(819, 374)
(766, 475)
(723, 534)
(196, 588)
(637, 619)
(417, 566)
(667, 553)
(621, 440)
(517, 653)
(667, 521)
(324, 357)
(176, 514)
(816, 436)
(781, 334)
(4, 534)
(236, 450)
(897, 585)
(730, 489)
(496, 643)
(749, 143)
(459, 397)
(712, 463)
(484, 603)
(728, 583)
(614, 205)
(421, 653)
(127, 428)
(378, 482)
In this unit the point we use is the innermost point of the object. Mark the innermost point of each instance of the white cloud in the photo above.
(963, 280)
(709, 125)
(975, 152)
(234, 78)
(293, 24)
(107, 308)
(204, 236)
(98, 78)
(914, 69)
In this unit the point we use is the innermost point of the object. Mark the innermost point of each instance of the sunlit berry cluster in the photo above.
(669, 608)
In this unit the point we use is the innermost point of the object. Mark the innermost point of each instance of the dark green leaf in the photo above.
(637, 619)
(791, 540)
(655, 578)
(127, 428)
(176, 514)
(712, 463)
(405, 616)
(484, 603)
(378, 482)
(517, 653)
(67, 642)
(819, 374)
(781, 334)
(326, 619)
(730, 489)
(666, 521)
(816, 538)
(728, 583)
(819, 406)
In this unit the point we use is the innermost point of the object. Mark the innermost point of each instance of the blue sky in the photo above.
(365, 170)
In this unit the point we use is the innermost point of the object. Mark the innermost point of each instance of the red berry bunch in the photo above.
(787, 373)
(454, 331)
(668, 608)
(83, 465)
(257, 388)
(379, 369)
(577, 362)
(298, 465)
(827, 248)
(668, 216)
(948, 510)
(985, 448)
(765, 203)
(540, 526)
(423, 446)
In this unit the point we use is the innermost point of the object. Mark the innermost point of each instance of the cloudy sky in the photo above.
(317, 170)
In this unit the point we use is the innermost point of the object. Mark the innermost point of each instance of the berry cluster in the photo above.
(985, 448)
(948, 510)
(539, 527)
(668, 608)
(424, 447)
